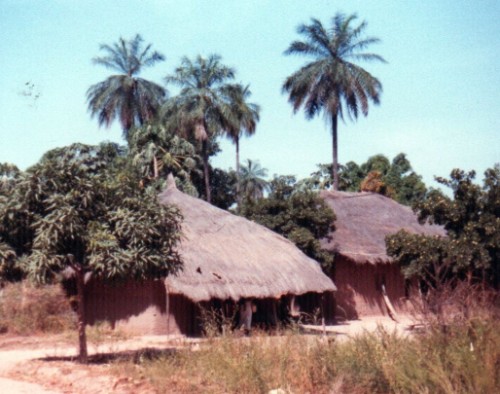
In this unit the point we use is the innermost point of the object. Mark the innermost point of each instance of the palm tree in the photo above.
(157, 152)
(200, 110)
(244, 117)
(133, 101)
(252, 180)
(331, 82)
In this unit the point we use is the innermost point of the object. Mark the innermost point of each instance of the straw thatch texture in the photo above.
(229, 257)
(363, 222)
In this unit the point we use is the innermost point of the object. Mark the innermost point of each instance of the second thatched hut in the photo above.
(362, 268)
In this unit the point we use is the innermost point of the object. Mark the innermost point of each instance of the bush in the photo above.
(28, 309)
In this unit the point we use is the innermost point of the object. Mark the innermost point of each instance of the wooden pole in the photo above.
(323, 314)
(168, 309)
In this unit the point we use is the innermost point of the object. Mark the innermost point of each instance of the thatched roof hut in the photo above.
(225, 258)
(229, 257)
(364, 220)
(368, 284)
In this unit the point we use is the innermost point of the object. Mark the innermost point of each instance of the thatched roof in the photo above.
(363, 222)
(229, 257)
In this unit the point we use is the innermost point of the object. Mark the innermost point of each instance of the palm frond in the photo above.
(330, 82)
(133, 101)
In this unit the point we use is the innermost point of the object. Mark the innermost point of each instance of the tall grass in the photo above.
(461, 359)
(27, 309)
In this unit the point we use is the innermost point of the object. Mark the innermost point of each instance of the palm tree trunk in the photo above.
(206, 175)
(237, 143)
(335, 166)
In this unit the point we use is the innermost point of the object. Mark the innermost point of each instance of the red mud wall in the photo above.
(359, 289)
(139, 308)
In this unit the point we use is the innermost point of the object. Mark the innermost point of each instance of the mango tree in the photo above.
(81, 210)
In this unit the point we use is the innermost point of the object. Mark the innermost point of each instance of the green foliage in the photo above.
(295, 212)
(407, 185)
(78, 208)
(207, 107)
(243, 115)
(200, 111)
(331, 82)
(81, 209)
(422, 256)
(11, 241)
(472, 220)
(9, 173)
(158, 153)
(395, 179)
(251, 181)
(9, 267)
(133, 101)
(223, 188)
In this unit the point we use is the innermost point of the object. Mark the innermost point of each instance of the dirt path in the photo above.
(10, 386)
(10, 361)
(20, 358)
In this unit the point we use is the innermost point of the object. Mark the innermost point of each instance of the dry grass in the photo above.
(382, 362)
(26, 309)
(461, 356)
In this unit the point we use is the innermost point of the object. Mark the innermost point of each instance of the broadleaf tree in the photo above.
(13, 235)
(297, 213)
(81, 209)
(471, 250)
(395, 179)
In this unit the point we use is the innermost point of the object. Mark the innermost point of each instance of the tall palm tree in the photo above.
(252, 180)
(200, 110)
(332, 83)
(244, 118)
(132, 100)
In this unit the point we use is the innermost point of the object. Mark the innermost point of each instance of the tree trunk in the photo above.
(335, 166)
(238, 197)
(82, 321)
(206, 175)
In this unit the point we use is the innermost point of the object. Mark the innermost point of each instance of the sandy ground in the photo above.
(40, 365)
(351, 328)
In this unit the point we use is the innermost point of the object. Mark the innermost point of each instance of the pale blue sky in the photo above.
(440, 103)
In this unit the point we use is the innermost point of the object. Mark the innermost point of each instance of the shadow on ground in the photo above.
(136, 356)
